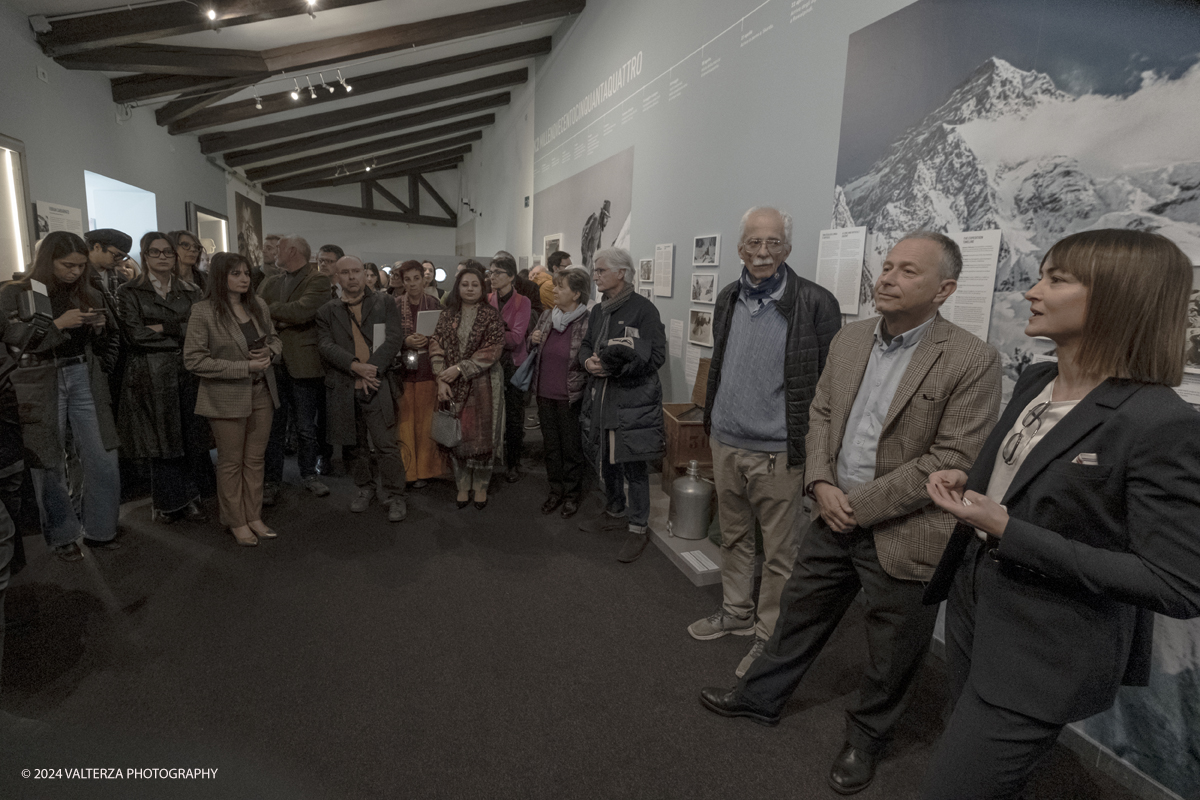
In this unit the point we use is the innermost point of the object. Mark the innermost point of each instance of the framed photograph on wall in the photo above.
(249, 228)
(704, 288)
(550, 244)
(700, 327)
(646, 270)
(647, 292)
(706, 250)
(211, 227)
(1192, 340)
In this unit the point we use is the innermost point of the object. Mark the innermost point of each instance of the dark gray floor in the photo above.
(461, 654)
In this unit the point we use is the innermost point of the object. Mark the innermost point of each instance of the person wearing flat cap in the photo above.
(108, 252)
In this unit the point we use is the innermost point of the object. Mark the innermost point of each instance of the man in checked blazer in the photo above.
(900, 397)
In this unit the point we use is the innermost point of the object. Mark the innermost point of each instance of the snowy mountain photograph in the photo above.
(1039, 119)
(1008, 147)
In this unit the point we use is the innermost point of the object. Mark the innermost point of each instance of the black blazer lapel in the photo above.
(1091, 411)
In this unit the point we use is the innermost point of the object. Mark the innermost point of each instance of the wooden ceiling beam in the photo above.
(169, 59)
(240, 158)
(434, 163)
(229, 113)
(230, 140)
(391, 198)
(375, 147)
(309, 55)
(152, 85)
(336, 209)
(191, 102)
(437, 198)
(146, 23)
(401, 160)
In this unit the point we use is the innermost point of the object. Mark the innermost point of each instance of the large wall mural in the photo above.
(1039, 119)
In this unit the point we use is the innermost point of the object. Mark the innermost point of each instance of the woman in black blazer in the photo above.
(1079, 518)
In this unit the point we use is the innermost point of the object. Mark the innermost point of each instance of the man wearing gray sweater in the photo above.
(772, 331)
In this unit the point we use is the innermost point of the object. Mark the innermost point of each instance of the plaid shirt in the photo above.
(940, 415)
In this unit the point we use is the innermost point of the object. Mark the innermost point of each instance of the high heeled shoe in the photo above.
(463, 503)
(266, 533)
(246, 540)
(481, 505)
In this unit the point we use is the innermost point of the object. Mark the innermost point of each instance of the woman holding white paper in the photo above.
(422, 458)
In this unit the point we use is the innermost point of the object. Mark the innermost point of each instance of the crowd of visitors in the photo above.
(1053, 534)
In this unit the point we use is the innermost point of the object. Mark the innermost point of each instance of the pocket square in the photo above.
(1087, 459)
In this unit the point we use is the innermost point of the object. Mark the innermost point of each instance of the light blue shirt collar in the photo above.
(907, 339)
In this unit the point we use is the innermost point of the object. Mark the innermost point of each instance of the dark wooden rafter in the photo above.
(146, 23)
(391, 198)
(432, 163)
(229, 140)
(229, 113)
(150, 86)
(240, 158)
(191, 102)
(402, 160)
(172, 59)
(408, 212)
(375, 147)
(314, 55)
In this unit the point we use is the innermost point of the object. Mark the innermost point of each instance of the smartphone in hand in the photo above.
(258, 344)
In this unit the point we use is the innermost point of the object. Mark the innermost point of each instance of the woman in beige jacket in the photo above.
(229, 346)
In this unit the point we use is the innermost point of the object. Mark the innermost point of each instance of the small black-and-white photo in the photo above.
(706, 250)
(646, 270)
(647, 292)
(700, 329)
(704, 287)
(1192, 363)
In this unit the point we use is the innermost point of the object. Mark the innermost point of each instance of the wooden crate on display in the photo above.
(686, 439)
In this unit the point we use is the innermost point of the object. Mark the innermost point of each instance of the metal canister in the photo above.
(691, 499)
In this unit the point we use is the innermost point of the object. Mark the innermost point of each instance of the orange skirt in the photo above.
(422, 457)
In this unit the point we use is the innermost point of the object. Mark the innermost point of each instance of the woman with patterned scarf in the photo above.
(465, 350)
(416, 404)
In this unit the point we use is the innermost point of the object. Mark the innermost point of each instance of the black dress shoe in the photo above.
(513, 475)
(552, 502)
(570, 507)
(727, 703)
(852, 771)
(193, 512)
(481, 506)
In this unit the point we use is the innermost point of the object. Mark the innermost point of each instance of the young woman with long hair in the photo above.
(230, 343)
(61, 383)
(157, 411)
(188, 251)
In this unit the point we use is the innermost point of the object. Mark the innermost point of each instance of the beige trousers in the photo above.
(241, 447)
(753, 485)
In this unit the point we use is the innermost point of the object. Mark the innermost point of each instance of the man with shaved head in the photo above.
(359, 335)
(294, 296)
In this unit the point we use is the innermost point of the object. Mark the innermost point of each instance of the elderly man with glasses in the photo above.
(771, 333)
(901, 396)
(621, 417)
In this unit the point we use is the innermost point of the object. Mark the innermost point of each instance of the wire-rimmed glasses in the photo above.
(1031, 423)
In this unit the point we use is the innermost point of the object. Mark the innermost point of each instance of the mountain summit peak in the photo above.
(994, 89)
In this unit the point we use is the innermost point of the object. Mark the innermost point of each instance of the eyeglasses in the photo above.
(117, 255)
(154, 252)
(188, 246)
(493, 272)
(774, 246)
(1031, 424)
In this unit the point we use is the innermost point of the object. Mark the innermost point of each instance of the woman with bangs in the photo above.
(1078, 520)
(61, 384)
(189, 252)
(156, 414)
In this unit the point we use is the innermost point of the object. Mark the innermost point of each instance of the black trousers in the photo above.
(514, 418)
(369, 420)
(564, 446)
(830, 570)
(986, 751)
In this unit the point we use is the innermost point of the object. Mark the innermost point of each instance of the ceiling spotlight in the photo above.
(368, 166)
(311, 91)
(212, 13)
(312, 5)
(330, 88)
(296, 93)
(257, 100)
(342, 81)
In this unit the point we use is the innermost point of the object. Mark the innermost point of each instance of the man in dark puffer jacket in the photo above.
(621, 418)
(771, 333)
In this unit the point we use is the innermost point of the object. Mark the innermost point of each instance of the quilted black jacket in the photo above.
(813, 317)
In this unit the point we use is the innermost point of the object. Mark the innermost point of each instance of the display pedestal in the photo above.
(698, 559)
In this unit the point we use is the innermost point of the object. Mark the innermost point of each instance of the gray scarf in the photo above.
(611, 304)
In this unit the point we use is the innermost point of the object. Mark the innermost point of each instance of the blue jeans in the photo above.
(305, 395)
(638, 476)
(102, 476)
